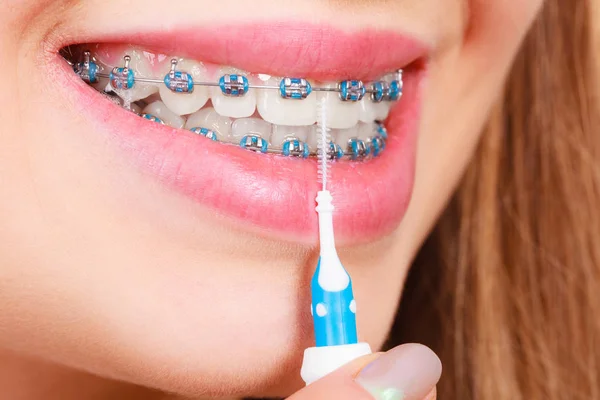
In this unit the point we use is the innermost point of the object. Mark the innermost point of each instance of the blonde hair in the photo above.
(507, 287)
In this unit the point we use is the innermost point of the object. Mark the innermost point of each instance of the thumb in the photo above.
(407, 372)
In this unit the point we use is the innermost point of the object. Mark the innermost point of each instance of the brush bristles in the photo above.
(323, 144)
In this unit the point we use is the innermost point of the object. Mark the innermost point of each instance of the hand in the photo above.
(407, 372)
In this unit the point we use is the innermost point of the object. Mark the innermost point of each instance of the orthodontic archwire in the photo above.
(333, 306)
(237, 85)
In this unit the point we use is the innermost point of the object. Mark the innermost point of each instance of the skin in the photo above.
(105, 271)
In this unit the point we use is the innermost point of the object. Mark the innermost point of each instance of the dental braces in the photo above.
(236, 85)
(123, 78)
(357, 149)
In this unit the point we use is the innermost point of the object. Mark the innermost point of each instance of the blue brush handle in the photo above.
(334, 314)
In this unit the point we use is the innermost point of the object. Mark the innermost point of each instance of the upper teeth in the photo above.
(194, 100)
(287, 101)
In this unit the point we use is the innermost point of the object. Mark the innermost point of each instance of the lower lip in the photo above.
(274, 193)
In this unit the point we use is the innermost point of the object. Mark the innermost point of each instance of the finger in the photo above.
(432, 395)
(407, 372)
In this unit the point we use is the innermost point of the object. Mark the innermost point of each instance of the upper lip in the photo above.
(282, 49)
(272, 193)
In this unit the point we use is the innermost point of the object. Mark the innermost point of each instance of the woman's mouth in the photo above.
(188, 105)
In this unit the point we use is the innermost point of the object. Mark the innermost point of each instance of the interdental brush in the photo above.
(333, 306)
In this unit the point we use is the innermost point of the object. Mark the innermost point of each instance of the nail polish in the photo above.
(407, 372)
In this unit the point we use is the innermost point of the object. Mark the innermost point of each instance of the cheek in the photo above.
(500, 21)
(465, 79)
(496, 30)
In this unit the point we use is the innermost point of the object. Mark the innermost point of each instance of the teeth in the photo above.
(283, 132)
(141, 68)
(232, 117)
(208, 118)
(229, 106)
(340, 114)
(160, 110)
(370, 111)
(313, 138)
(187, 103)
(152, 98)
(246, 126)
(366, 110)
(365, 130)
(381, 110)
(277, 110)
(333, 137)
(135, 108)
(342, 136)
(101, 84)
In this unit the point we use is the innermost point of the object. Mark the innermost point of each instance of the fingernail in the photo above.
(407, 372)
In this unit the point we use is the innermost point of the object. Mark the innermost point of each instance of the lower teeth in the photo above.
(299, 143)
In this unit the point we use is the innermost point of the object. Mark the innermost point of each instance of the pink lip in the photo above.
(272, 192)
(315, 51)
